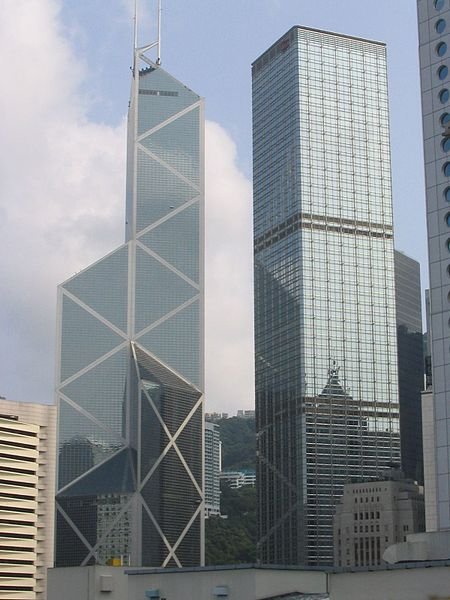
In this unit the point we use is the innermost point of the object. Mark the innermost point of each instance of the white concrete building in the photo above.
(213, 465)
(238, 479)
(27, 482)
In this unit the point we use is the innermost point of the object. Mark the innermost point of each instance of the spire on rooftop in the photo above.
(141, 52)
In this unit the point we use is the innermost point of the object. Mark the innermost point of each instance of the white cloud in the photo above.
(229, 276)
(62, 189)
(62, 196)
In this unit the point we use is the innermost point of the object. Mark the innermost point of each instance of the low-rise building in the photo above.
(27, 482)
(413, 581)
(373, 515)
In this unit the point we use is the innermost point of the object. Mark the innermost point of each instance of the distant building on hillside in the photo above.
(238, 479)
(241, 414)
(373, 515)
(246, 414)
(213, 465)
(215, 416)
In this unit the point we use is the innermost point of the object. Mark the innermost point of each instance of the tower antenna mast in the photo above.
(140, 52)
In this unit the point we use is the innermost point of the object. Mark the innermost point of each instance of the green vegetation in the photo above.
(238, 443)
(233, 540)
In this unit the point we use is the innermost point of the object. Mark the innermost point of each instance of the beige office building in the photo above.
(374, 515)
(27, 480)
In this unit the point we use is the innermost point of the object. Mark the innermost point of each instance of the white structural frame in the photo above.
(128, 334)
(140, 52)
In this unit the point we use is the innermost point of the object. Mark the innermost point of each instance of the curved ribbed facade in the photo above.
(434, 40)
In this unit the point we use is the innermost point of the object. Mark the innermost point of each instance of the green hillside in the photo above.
(233, 540)
(238, 443)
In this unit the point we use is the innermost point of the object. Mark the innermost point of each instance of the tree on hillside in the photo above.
(233, 540)
(238, 443)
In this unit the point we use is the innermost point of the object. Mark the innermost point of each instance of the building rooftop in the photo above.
(387, 567)
(304, 28)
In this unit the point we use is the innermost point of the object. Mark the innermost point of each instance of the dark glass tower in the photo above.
(410, 363)
(325, 328)
(130, 366)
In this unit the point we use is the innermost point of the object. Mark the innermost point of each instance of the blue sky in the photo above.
(63, 151)
(210, 45)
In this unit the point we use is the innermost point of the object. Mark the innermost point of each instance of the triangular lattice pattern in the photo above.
(130, 358)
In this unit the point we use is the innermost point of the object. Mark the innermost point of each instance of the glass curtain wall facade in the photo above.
(434, 54)
(411, 367)
(327, 406)
(130, 364)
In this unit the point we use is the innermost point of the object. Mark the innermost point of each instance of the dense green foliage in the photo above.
(233, 540)
(238, 443)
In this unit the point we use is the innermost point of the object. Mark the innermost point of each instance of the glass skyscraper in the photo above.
(411, 367)
(130, 355)
(327, 406)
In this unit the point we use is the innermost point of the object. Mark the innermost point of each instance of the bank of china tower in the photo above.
(130, 354)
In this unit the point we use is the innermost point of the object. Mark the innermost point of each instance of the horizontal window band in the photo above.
(308, 221)
(21, 549)
(157, 93)
(13, 431)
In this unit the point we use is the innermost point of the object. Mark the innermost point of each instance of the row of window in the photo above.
(367, 515)
(361, 499)
(444, 96)
(365, 529)
(442, 72)
(366, 491)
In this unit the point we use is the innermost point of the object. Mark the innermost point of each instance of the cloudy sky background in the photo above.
(65, 75)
